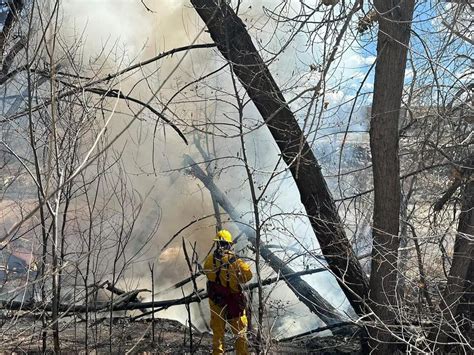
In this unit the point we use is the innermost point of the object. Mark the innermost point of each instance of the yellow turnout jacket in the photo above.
(228, 270)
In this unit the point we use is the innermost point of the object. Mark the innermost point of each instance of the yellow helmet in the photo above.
(223, 236)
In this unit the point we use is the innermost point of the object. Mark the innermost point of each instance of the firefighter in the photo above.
(226, 273)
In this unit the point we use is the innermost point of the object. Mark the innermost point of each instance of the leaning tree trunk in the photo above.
(235, 44)
(393, 39)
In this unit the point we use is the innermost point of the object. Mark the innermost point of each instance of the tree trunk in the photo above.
(393, 40)
(235, 44)
(457, 299)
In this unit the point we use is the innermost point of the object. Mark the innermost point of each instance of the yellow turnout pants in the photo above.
(238, 326)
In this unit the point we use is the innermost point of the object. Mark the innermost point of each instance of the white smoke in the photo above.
(132, 33)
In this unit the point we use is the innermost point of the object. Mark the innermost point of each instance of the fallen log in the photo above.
(131, 295)
(122, 296)
(302, 290)
(132, 305)
(317, 330)
(233, 41)
(116, 306)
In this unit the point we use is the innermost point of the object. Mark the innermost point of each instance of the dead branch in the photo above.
(119, 94)
(182, 229)
(147, 8)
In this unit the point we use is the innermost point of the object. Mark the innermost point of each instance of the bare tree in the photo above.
(392, 47)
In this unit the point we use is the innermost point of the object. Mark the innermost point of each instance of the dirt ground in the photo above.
(23, 336)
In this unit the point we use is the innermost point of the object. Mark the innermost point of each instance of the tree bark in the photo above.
(235, 44)
(393, 39)
(456, 303)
